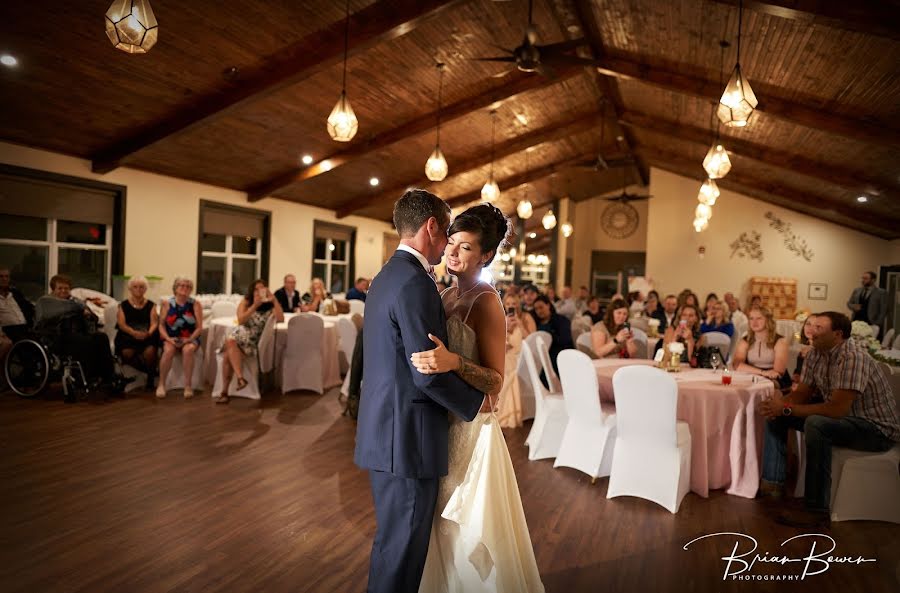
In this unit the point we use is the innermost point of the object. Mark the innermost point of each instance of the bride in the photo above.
(479, 538)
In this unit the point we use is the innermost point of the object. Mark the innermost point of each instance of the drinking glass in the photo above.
(715, 359)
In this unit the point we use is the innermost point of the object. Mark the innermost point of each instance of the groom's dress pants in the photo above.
(404, 511)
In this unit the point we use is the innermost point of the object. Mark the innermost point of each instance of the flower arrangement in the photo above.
(676, 348)
(802, 315)
(861, 330)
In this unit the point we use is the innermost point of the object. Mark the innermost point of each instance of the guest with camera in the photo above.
(687, 332)
(613, 338)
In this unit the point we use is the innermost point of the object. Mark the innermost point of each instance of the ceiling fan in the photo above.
(626, 197)
(530, 57)
(602, 163)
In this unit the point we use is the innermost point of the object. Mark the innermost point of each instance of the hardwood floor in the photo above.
(142, 495)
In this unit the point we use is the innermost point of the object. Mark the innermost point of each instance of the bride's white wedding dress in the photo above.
(479, 539)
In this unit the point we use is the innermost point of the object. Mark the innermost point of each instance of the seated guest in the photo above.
(688, 298)
(73, 326)
(610, 338)
(313, 299)
(652, 304)
(566, 304)
(550, 293)
(732, 302)
(253, 313)
(755, 301)
(636, 303)
(559, 328)
(763, 351)
(359, 290)
(519, 325)
(710, 299)
(666, 314)
(179, 330)
(806, 337)
(687, 332)
(16, 312)
(718, 319)
(287, 295)
(858, 411)
(137, 322)
(529, 294)
(581, 303)
(594, 310)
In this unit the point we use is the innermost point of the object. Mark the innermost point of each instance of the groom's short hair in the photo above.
(415, 207)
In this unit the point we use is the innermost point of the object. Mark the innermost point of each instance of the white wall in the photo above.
(840, 254)
(162, 218)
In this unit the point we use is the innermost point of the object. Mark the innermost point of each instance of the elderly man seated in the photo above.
(857, 411)
(73, 327)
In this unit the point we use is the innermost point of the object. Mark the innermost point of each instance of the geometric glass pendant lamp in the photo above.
(738, 101)
(342, 124)
(131, 26)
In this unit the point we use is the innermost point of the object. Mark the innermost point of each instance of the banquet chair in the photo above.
(175, 378)
(875, 330)
(865, 486)
(539, 342)
(720, 340)
(110, 322)
(896, 344)
(640, 336)
(526, 390)
(550, 415)
(652, 454)
(302, 364)
(888, 338)
(357, 307)
(640, 323)
(226, 309)
(590, 433)
(251, 367)
(346, 340)
(586, 345)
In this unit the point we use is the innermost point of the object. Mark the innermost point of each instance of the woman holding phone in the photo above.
(687, 332)
(613, 337)
(252, 315)
(519, 325)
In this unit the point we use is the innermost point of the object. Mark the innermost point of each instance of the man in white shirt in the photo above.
(566, 305)
(16, 313)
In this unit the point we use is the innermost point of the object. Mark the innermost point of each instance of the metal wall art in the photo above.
(794, 244)
(747, 245)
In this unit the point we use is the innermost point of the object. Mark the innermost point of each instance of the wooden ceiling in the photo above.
(234, 93)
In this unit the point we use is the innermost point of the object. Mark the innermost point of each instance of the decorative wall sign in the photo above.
(794, 244)
(747, 245)
(619, 220)
(817, 292)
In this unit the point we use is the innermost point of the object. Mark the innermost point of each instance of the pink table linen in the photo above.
(726, 431)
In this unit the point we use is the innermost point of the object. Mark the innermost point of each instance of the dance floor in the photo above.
(136, 495)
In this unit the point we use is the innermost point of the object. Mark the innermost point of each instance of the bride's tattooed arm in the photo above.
(482, 378)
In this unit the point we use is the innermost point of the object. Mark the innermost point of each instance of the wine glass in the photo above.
(715, 359)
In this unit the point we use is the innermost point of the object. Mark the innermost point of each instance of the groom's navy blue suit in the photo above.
(401, 436)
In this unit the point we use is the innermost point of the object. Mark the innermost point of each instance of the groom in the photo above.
(401, 437)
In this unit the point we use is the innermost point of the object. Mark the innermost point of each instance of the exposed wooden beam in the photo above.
(608, 87)
(382, 21)
(853, 180)
(792, 199)
(549, 133)
(770, 101)
(515, 181)
(872, 17)
(518, 85)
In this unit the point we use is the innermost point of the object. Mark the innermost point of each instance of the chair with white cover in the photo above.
(251, 366)
(346, 341)
(301, 367)
(357, 306)
(640, 337)
(589, 438)
(110, 321)
(550, 416)
(585, 344)
(865, 486)
(175, 378)
(640, 323)
(652, 455)
(526, 391)
(225, 309)
(888, 338)
(875, 330)
(539, 342)
(720, 340)
(896, 344)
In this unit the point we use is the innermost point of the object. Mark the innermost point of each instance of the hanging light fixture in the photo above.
(701, 224)
(703, 211)
(436, 165)
(567, 229)
(708, 193)
(524, 209)
(738, 101)
(549, 220)
(491, 191)
(131, 26)
(342, 123)
(717, 164)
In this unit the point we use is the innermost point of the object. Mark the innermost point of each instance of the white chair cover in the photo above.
(865, 486)
(526, 391)
(580, 325)
(896, 344)
(87, 293)
(301, 367)
(589, 438)
(550, 417)
(888, 338)
(741, 325)
(357, 306)
(875, 330)
(110, 321)
(640, 337)
(584, 342)
(539, 342)
(175, 378)
(652, 455)
(720, 339)
(266, 348)
(640, 323)
(250, 370)
(346, 341)
(225, 309)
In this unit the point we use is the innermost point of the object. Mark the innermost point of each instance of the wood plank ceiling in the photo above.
(235, 93)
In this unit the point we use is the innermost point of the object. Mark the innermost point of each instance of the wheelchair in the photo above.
(31, 364)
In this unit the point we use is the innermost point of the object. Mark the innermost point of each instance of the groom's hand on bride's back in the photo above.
(437, 360)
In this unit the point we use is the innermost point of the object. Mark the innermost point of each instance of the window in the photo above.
(59, 225)
(333, 262)
(233, 248)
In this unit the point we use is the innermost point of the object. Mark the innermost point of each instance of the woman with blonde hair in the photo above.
(763, 351)
(519, 325)
(179, 331)
(313, 299)
(137, 322)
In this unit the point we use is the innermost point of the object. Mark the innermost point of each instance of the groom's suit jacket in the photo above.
(403, 423)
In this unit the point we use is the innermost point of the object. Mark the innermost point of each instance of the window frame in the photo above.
(262, 244)
(320, 231)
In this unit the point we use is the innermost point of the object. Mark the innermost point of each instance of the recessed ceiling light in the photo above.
(326, 165)
(532, 235)
(9, 61)
(373, 181)
(307, 159)
(862, 199)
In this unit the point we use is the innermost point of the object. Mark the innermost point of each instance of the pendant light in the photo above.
(491, 191)
(701, 224)
(703, 211)
(738, 101)
(717, 164)
(131, 26)
(524, 209)
(567, 229)
(549, 220)
(436, 165)
(708, 193)
(342, 123)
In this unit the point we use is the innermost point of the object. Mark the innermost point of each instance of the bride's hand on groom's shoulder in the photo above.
(439, 360)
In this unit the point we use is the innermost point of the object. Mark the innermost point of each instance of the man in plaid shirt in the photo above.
(857, 410)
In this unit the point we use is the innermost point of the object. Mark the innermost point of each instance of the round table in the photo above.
(726, 431)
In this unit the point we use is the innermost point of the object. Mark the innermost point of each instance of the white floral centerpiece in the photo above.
(802, 315)
(676, 348)
(653, 326)
(861, 330)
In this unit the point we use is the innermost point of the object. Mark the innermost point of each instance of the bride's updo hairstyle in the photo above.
(488, 223)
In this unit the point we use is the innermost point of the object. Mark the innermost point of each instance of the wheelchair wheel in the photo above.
(27, 368)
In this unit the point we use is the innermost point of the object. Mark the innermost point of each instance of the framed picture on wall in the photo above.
(817, 292)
